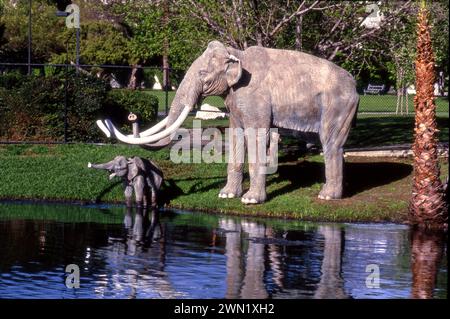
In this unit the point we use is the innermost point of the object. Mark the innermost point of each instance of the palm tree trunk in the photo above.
(428, 208)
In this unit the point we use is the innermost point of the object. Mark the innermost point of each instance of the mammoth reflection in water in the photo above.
(145, 230)
(331, 285)
(144, 238)
(262, 261)
(245, 277)
(248, 269)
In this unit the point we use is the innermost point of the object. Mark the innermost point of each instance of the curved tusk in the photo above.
(104, 129)
(154, 129)
(148, 139)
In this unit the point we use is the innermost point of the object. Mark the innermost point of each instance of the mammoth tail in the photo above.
(356, 114)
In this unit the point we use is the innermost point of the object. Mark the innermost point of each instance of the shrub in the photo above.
(11, 80)
(142, 104)
(23, 101)
(87, 96)
(33, 107)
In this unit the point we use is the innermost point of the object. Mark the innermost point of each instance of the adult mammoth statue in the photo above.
(264, 88)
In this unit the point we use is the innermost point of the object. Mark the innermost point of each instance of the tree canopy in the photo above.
(154, 32)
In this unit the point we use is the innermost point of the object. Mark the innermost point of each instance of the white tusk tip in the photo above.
(104, 129)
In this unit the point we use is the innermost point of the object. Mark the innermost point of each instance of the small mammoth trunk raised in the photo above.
(105, 166)
(118, 166)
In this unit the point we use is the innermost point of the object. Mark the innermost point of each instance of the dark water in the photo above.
(123, 254)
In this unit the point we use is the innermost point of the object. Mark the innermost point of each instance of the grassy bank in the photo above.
(376, 189)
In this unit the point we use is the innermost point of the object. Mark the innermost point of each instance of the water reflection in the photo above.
(183, 255)
(143, 239)
(427, 250)
(331, 285)
(143, 231)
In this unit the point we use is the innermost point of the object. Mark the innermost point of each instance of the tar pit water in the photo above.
(129, 253)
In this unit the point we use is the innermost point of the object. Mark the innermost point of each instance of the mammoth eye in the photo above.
(202, 73)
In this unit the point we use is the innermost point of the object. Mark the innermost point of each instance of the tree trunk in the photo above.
(298, 33)
(398, 84)
(166, 79)
(428, 208)
(134, 77)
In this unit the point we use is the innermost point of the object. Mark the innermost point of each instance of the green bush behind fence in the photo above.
(36, 108)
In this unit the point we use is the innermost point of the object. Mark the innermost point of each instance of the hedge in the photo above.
(32, 108)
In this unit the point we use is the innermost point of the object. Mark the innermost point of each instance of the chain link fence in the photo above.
(62, 101)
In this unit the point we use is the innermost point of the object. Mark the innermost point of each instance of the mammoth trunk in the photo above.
(106, 166)
(187, 95)
(185, 98)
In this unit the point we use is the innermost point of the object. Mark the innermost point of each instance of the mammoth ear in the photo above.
(133, 169)
(233, 71)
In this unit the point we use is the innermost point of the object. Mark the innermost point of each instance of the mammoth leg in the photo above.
(233, 188)
(145, 199)
(154, 198)
(153, 195)
(128, 192)
(153, 188)
(334, 161)
(333, 134)
(139, 190)
(256, 140)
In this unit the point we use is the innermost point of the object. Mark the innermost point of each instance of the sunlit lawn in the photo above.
(376, 189)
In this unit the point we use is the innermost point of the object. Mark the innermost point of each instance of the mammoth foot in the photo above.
(254, 197)
(230, 192)
(330, 193)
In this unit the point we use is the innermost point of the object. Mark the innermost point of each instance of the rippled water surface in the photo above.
(134, 254)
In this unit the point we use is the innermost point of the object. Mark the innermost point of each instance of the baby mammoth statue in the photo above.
(140, 174)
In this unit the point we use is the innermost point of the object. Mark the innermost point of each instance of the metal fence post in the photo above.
(166, 91)
(77, 49)
(65, 104)
(29, 38)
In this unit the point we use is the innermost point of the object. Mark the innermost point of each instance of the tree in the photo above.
(332, 30)
(242, 23)
(428, 208)
(45, 28)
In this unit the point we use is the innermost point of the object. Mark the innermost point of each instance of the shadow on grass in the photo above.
(169, 191)
(105, 191)
(358, 177)
(382, 131)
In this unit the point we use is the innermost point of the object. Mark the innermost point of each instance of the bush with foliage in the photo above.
(29, 106)
(142, 104)
(32, 108)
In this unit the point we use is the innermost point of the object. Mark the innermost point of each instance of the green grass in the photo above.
(377, 190)
(62, 213)
(382, 131)
(368, 103)
(388, 103)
